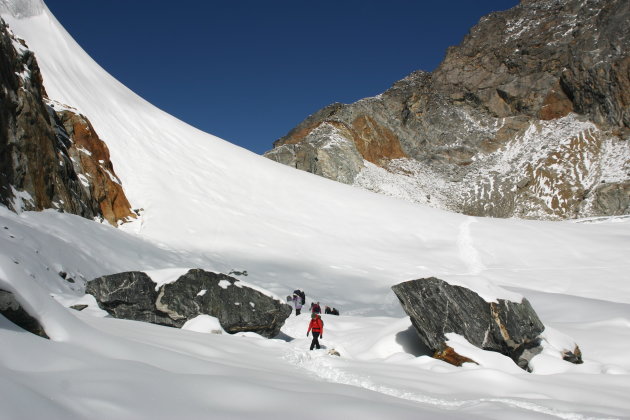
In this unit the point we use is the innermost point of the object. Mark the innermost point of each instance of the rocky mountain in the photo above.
(51, 157)
(529, 117)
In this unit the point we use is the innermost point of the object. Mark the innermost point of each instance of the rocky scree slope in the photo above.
(51, 157)
(529, 117)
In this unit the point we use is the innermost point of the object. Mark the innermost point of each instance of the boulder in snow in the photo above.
(134, 295)
(574, 356)
(11, 308)
(437, 308)
(333, 352)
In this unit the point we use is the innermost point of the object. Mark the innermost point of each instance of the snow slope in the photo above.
(210, 204)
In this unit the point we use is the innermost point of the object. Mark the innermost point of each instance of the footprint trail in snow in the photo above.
(324, 366)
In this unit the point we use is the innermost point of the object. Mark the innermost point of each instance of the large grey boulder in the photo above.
(12, 310)
(133, 295)
(129, 295)
(437, 308)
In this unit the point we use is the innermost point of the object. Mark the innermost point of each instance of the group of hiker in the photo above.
(298, 300)
(331, 311)
(316, 325)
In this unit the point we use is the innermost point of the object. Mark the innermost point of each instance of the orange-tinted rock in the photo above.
(46, 162)
(449, 355)
(91, 159)
(555, 105)
(375, 142)
(35, 169)
(299, 133)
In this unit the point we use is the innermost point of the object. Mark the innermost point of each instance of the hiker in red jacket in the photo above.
(317, 325)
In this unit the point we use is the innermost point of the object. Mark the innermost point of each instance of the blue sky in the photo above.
(248, 71)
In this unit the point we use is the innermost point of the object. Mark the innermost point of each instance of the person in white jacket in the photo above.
(297, 302)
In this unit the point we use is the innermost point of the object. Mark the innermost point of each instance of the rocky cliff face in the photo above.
(528, 117)
(90, 159)
(49, 159)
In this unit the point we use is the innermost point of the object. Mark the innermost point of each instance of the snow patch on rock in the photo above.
(166, 275)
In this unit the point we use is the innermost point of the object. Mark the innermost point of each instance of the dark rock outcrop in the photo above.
(574, 356)
(526, 117)
(437, 308)
(14, 312)
(133, 295)
(90, 157)
(129, 295)
(49, 159)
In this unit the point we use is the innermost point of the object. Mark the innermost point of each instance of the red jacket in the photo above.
(317, 325)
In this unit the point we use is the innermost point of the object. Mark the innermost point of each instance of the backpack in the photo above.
(301, 294)
(316, 321)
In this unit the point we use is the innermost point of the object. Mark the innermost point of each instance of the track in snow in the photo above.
(323, 366)
(467, 251)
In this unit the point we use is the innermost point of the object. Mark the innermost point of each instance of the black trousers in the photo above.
(315, 342)
(297, 311)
